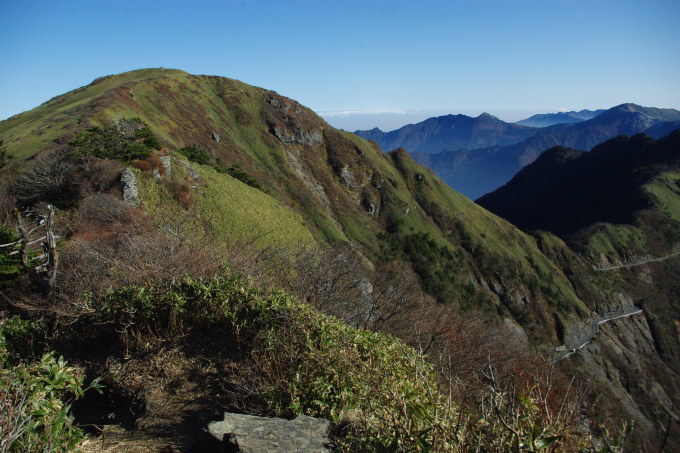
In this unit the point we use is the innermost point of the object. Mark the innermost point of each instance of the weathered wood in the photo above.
(46, 270)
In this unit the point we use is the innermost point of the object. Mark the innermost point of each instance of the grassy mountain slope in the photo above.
(344, 188)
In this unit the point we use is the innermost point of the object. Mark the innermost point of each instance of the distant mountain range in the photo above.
(550, 119)
(450, 132)
(477, 170)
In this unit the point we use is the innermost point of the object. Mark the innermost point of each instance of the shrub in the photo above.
(237, 171)
(51, 178)
(127, 140)
(197, 154)
(33, 414)
(181, 192)
(104, 173)
(437, 266)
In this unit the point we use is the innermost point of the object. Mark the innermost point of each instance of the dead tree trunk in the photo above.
(43, 265)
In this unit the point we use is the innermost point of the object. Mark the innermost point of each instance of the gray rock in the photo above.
(193, 173)
(167, 164)
(128, 183)
(348, 178)
(251, 434)
(216, 136)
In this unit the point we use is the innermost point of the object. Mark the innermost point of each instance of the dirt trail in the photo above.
(637, 262)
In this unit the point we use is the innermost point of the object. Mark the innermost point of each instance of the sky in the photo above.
(360, 64)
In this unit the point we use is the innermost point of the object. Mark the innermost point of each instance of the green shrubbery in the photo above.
(197, 154)
(129, 139)
(33, 411)
(383, 395)
(437, 266)
(298, 360)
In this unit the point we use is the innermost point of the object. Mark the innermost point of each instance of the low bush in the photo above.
(127, 140)
(34, 403)
(197, 154)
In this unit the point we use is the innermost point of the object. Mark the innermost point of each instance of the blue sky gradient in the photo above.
(392, 61)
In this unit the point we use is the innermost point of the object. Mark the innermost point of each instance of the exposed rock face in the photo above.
(293, 124)
(128, 183)
(251, 434)
(301, 137)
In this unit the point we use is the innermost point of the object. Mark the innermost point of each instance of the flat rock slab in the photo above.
(251, 434)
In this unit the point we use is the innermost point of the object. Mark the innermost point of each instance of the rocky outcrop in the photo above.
(166, 161)
(193, 173)
(128, 183)
(251, 434)
(299, 136)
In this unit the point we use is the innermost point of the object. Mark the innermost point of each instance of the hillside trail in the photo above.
(639, 262)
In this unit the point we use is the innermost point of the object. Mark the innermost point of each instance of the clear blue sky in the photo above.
(510, 58)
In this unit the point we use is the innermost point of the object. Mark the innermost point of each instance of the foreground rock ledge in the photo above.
(251, 434)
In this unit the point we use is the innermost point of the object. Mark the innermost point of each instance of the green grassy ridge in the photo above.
(27, 133)
(185, 110)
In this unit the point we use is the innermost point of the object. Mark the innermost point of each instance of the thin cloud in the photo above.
(348, 113)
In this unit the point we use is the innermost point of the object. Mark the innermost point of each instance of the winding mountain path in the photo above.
(637, 262)
(588, 337)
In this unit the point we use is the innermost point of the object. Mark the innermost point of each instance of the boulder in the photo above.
(167, 164)
(251, 434)
(128, 183)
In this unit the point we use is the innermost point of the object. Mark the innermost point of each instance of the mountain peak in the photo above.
(628, 107)
(487, 116)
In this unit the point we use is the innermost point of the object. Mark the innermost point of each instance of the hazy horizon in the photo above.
(389, 120)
